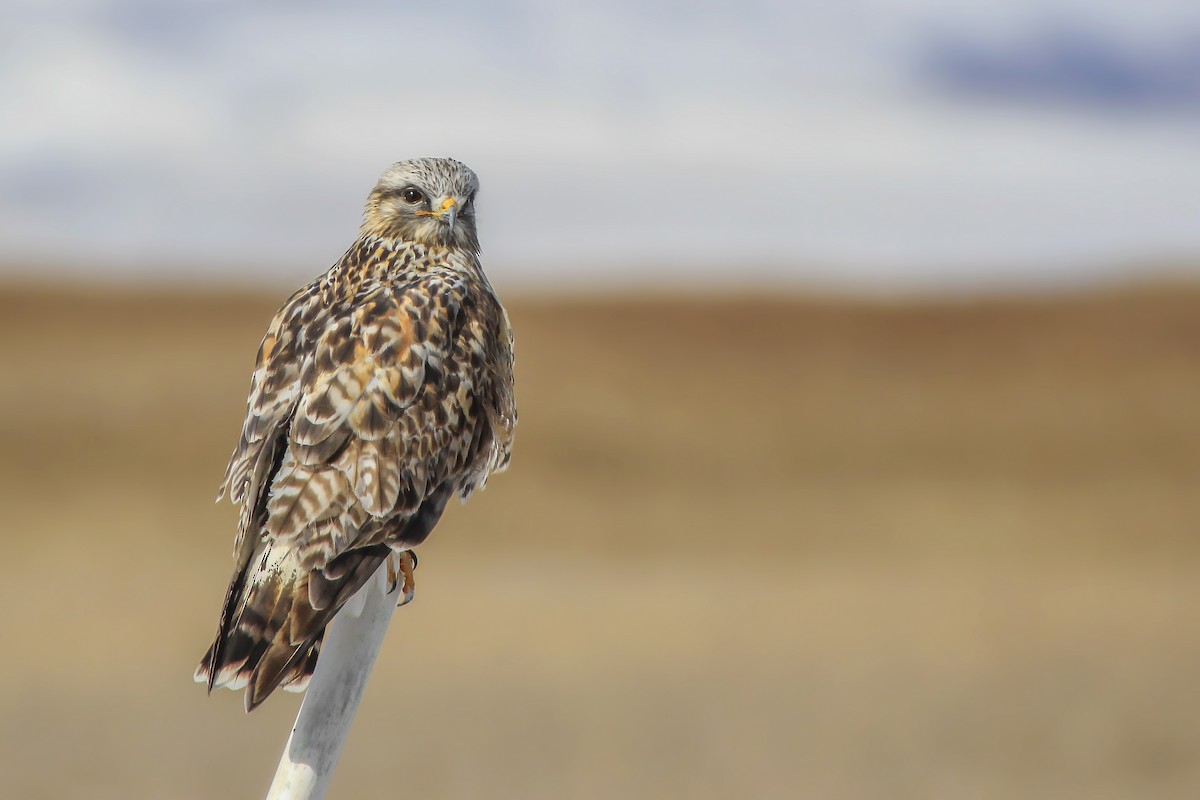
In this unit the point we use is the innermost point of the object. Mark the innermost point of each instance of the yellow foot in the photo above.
(401, 566)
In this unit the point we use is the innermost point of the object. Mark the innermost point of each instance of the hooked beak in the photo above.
(448, 212)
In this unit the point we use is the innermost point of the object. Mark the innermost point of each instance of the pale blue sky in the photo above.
(862, 144)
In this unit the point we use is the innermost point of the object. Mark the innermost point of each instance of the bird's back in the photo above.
(381, 389)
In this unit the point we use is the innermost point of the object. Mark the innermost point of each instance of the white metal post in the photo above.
(351, 644)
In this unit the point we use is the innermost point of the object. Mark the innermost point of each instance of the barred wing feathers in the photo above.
(368, 409)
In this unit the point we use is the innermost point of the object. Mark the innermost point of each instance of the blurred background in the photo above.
(857, 352)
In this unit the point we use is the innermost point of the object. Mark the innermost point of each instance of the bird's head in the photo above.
(430, 201)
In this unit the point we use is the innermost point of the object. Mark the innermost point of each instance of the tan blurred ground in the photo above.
(760, 549)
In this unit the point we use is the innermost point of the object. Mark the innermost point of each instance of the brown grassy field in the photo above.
(747, 549)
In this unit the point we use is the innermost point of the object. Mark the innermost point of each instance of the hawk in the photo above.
(381, 389)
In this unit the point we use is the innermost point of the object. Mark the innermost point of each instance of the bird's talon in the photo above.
(392, 575)
(408, 562)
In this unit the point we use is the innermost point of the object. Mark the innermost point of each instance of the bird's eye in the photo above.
(411, 195)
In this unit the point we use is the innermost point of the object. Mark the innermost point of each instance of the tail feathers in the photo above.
(296, 679)
(274, 620)
(239, 674)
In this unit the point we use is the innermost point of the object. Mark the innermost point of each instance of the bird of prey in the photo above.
(381, 389)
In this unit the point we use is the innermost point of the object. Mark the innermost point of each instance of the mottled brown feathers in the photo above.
(380, 389)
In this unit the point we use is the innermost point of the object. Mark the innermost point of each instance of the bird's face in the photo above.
(430, 201)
